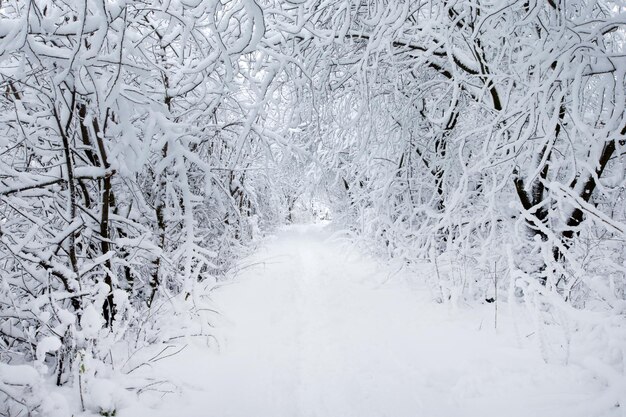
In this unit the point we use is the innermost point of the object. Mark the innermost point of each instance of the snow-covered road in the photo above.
(313, 329)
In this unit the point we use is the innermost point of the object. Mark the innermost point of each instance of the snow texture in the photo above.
(91, 322)
(47, 344)
(312, 328)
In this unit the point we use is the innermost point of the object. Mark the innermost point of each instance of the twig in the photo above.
(495, 296)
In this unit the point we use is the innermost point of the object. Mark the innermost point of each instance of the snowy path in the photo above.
(312, 330)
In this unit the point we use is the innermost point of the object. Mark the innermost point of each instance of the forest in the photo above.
(147, 145)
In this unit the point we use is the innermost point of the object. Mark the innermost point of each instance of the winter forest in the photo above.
(157, 154)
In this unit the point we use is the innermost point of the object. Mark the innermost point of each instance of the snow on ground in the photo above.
(313, 329)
